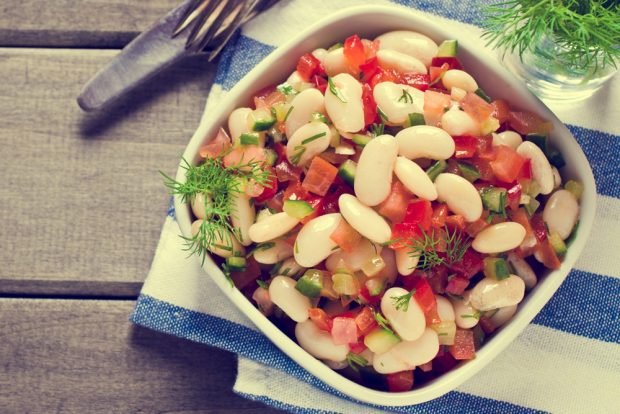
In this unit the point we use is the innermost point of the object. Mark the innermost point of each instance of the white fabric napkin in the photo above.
(567, 360)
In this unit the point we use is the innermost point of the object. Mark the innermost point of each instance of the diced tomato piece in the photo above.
(419, 212)
(402, 233)
(248, 276)
(484, 168)
(345, 236)
(400, 381)
(539, 227)
(308, 66)
(354, 53)
(455, 221)
(425, 297)
(526, 170)
(514, 196)
(367, 297)
(286, 172)
(216, 146)
(476, 107)
(365, 321)
(436, 72)
(244, 155)
(501, 110)
(295, 191)
(316, 203)
(320, 319)
(438, 219)
(507, 164)
(529, 123)
(434, 105)
(451, 61)
(320, 82)
(370, 106)
(437, 277)
(463, 347)
(487, 325)
(443, 362)
(548, 255)
(368, 69)
(470, 264)
(457, 285)
(485, 147)
(476, 227)
(370, 48)
(357, 347)
(419, 81)
(383, 75)
(269, 190)
(269, 100)
(466, 146)
(344, 330)
(320, 176)
(395, 205)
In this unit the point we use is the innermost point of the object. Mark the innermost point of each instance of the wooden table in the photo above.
(82, 207)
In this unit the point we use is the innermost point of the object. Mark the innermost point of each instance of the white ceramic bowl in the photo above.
(369, 22)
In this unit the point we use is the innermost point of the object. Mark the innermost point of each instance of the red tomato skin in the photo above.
(365, 321)
(466, 146)
(344, 330)
(354, 53)
(320, 319)
(395, 205)
(400, 381)
(438, 219)
(476, 107)
(419, 212)
(452, 62)
(269, 190)
(308, 66)
(501, 110)
(419, 81)
(529, 123)
(316, 203)
(469, 265)
(402, 232)
(463, 347)
(368, 69)
(346, 237)
(370, 106)
(319, 177)
(507, 164)
(457, 285)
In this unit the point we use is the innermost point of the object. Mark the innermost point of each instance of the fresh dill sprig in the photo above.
(456, 245)
(356, 361)
(377, 129)
(426, 248)
(335, 90)
(587, 31)
(219, 184)
(406, 97)
(382, 322)
(402, 302)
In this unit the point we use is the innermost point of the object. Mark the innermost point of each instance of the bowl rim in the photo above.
(533, 302)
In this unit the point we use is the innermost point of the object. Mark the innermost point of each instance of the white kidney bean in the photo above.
(224, 243)
(279, 251)
(456, 122)
(373, 176)
(291, 268)
(199, 203)
(296, 81)
(347, 116)
(405, 261)
(407, 355)
(334, 62)
(319, 343)
(561, 213)
(355, 259)
(238, 123)
(320, 53)
(398, 101)
(411, 43)
(415, 178)
(491, 294)
(271, 227)
(263, 214)
(390, 272)
(523, 270)
(364, 219)
(408, 323)
(457, 94)
(313, 243)
(300, 153)
(459, 79)
(445, 310)
(557, 178)
(465, 315)
(284, 295)
(425, 141)
(243, 216)
(460, 195)
(392, 59)
(508, 138)
(503, 315)
(499, 238)
(303, 106)
(541, 169)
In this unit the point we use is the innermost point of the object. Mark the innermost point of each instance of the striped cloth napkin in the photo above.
(567, 360)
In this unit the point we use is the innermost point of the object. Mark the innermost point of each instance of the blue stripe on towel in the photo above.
(239, 57)
(466, 11)
(586, 304)
(212, 330)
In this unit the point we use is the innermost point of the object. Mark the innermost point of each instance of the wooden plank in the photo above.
(69, 23)
(82, 199)
(68, 356)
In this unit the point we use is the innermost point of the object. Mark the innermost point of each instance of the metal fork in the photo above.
(196, 26)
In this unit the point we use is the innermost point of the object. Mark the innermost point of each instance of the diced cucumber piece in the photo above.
(496, 268)
(297, 208)
(479, 336)
(532, 206)
(494, 199)
(575, 188)
(468, 171)
(280, 110)
(380, 340)
(311, 283)
(436, 169)
(448, 48)
(558, 244)
(446, 331)
(573, 235)
(261, 119)
(481, 93)
(361, 140)
(250, 138)
(414, 119)
(347, 171)
(236, 263)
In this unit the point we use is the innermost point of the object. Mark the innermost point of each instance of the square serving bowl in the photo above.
(368, 22)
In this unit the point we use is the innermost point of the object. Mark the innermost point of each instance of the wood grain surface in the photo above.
(82, 356)
(77, 23)
(83, 202)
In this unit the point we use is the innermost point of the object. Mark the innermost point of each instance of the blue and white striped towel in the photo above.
(567, 360)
